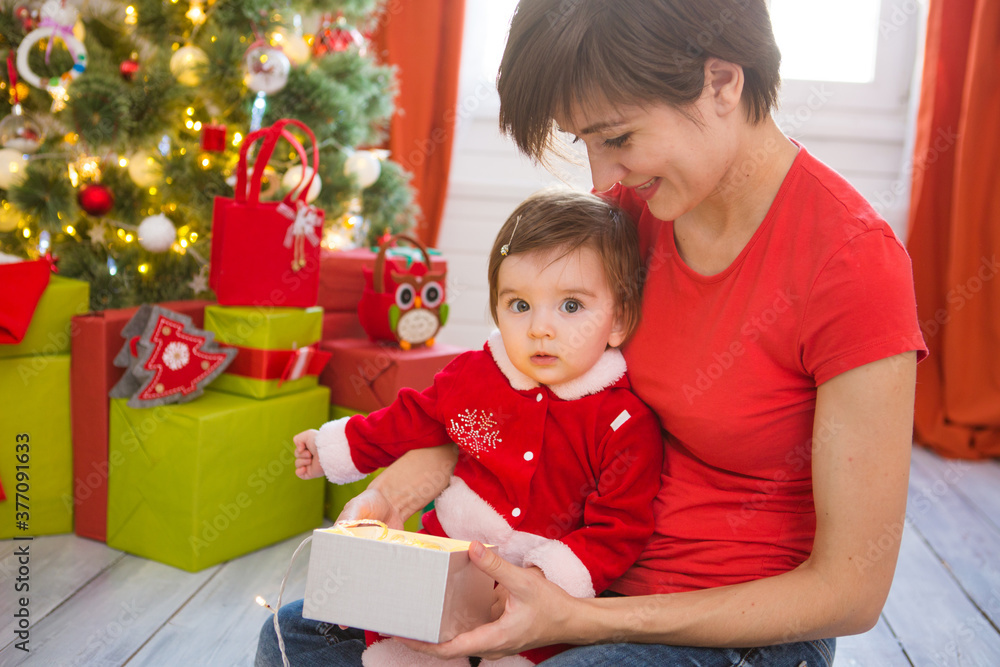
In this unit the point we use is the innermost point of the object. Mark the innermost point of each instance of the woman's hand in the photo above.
(536, 613)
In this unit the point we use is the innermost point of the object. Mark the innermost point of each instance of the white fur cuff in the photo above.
(335, 453)
(390, 653)
(562, 567)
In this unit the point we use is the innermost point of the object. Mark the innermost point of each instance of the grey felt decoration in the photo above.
(135, 384)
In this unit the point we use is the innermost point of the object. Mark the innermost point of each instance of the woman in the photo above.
(778, 347)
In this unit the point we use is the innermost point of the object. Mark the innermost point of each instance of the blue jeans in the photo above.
(313, 643)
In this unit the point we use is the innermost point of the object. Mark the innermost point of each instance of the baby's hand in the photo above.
(306, 459)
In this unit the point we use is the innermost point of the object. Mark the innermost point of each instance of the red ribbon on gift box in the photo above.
(17, 306)
(280, 365)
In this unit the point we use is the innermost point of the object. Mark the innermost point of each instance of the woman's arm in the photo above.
(405, 487)
(861, 450)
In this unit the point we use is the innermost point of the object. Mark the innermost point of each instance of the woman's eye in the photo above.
(572, 306)
(519, 306)
(617, 142)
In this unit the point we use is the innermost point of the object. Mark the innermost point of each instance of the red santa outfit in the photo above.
(561, 477)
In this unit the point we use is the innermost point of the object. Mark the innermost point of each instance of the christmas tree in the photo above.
(122, 121)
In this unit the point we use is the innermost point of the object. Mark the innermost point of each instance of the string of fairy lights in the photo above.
(267, 64)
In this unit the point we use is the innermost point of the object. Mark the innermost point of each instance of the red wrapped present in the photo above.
(342, 324)
(267, 253)
(366, 376)
(342, 277)
(96, 340)
(213, 138)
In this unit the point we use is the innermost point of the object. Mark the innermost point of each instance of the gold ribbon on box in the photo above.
(398, 537)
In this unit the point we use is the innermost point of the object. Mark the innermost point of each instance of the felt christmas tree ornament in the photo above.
(169, 360)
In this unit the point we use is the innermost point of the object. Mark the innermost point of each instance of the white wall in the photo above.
(860, 130)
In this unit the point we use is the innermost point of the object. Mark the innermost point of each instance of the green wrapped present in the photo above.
(50, 331)
(36, 455)
(337, 495)
(198, 483)
(277, 349)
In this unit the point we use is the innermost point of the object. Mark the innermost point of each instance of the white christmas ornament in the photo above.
(157, 233)
(57, 20)
(267, 69)
(364, 166)
(12, 166)
(290, 181)
(293, 45)
(143, 169)
(186, 64)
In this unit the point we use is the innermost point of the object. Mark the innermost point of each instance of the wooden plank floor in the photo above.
(94, 606)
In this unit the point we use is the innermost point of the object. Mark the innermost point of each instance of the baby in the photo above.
(558, 460)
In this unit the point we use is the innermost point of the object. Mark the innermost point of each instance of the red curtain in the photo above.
(954, 237)
(423, 39)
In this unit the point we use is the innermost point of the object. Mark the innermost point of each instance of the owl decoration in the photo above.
(404, 306)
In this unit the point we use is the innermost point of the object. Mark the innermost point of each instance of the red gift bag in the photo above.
(404, 306)
(267, 253)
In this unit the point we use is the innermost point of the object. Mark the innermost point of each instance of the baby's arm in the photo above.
(351, 447)
(306, 458)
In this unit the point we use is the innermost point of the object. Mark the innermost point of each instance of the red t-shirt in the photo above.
(730, 363)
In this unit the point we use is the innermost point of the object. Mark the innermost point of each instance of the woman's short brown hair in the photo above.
(560, 219)
(630, 52)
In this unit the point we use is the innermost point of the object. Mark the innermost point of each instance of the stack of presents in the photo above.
(166, 430)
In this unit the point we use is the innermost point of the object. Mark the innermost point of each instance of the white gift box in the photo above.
(396, 583)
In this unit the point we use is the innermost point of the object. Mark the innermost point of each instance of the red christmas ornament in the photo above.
(213, 138)
(169, 360)
(95, 199)
(335, 35)
(128, 68)
(28, 21)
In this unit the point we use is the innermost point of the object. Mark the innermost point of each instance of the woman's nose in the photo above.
(605, 170)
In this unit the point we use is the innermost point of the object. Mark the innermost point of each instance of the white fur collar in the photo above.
(608, 370)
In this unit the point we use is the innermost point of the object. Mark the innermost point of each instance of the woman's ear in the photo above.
(724, 83)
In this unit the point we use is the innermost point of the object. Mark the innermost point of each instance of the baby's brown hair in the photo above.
(566, 220)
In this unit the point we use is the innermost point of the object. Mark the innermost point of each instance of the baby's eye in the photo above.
(519, 306)
(571, 306)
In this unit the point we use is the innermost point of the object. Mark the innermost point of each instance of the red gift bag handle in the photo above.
(268, 147)
(379, 270)
(270, 136)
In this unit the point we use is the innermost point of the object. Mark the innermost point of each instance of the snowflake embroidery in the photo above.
(176, 356)
(476, 430)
